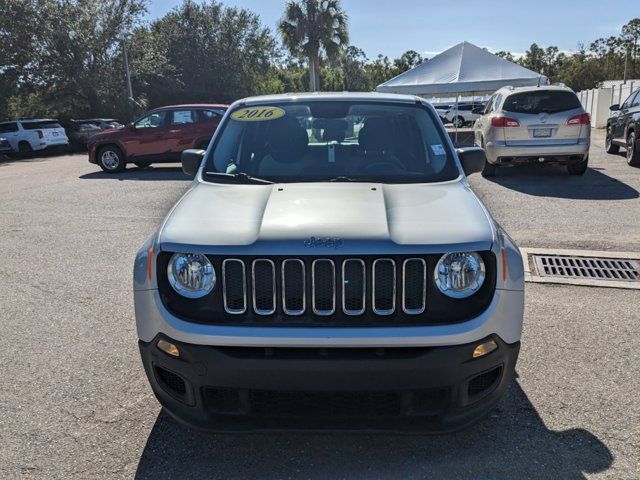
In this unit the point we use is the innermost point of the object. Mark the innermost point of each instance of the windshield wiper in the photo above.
(239, 176)
(347, 179)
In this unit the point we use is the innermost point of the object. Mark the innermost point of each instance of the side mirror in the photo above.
(472, 159)
(191, 160)
(615, 107)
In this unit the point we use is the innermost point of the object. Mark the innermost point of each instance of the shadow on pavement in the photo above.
(554, 181)
(512, 442)
(144, 174)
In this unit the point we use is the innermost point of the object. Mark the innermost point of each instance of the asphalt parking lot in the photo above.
(75, 401)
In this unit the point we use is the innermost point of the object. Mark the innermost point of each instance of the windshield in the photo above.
(539, 101)
(324, 141)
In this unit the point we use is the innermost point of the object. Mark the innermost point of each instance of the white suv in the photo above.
(26, 136)
(534, 125)
(464, 113)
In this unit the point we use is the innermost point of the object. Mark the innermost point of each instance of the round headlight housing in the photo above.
(191, 274)
(459, 275)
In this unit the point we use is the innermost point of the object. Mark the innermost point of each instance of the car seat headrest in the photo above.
(287, 140)
(375, 135)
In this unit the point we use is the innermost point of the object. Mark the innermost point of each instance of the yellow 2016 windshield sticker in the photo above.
(257, 114)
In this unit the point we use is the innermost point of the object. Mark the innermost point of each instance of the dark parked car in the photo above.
(623, 128)
(5, 146)
(158, 136)
(79, 131)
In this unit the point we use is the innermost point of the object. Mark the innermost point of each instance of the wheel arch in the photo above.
(114, 143)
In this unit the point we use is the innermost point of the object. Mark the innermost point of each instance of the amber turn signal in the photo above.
(484, 348)
(168, 348)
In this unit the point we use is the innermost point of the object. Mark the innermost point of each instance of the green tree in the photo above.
(505, 55)
(407, 61)
(313, 29)
(534, 58)
(630, 36)
(203, 53)
(70, 63)
(354, 67)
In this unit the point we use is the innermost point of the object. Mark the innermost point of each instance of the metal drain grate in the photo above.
(597, 268)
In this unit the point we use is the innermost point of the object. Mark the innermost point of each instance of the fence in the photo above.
(597, 101)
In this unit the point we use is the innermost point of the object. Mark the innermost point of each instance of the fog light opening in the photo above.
(170, 349)
(484, 349)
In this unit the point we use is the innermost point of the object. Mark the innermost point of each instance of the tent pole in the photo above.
(454, 125)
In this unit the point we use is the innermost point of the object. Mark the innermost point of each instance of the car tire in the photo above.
(111, 159)
(458, 122)
(578, 168)
(24, 148)
(489, 169)
(633, 153)
(609, 147)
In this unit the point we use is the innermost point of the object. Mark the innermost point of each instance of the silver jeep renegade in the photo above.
(329, 268)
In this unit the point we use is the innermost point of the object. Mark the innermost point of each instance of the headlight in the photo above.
(191, 274)
(459, 275)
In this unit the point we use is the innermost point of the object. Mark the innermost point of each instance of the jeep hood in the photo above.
(223, 215)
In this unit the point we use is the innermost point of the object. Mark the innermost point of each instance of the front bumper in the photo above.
(499, 153)
(393, 389)
(91, 150)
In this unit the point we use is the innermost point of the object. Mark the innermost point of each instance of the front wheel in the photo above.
(609, 147)
(489, 169)
(458, 122)
(24, 148)
(111, 160)
(633, 154)
(578, 168)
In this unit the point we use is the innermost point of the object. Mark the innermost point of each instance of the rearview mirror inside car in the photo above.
(614, 107)
(191, 160)
(472, 159)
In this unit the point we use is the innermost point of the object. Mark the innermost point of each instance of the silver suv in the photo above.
(329, 267)
(534, 125)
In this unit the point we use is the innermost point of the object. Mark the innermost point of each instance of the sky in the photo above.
(391, 27)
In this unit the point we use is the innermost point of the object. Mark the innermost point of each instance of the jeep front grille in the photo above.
(326, 291)
(343, 284)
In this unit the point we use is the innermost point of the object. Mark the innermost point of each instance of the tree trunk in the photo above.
(316, 70)
(312, 74)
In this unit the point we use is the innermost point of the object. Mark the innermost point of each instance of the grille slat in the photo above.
(263, 276)
(234, 285)
(323, 287)
(384, 286)
(293, 287)
(354, 286)
(414, 286)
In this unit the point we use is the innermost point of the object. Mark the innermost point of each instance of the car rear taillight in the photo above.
(40, 134)
(581, 119)
(504, 122)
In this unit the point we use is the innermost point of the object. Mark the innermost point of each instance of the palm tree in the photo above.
(314, 28)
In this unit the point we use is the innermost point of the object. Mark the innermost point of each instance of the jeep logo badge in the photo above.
(324, 242)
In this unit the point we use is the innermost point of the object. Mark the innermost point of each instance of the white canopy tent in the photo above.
(462, 69)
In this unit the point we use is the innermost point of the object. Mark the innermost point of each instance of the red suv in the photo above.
(158, 136)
